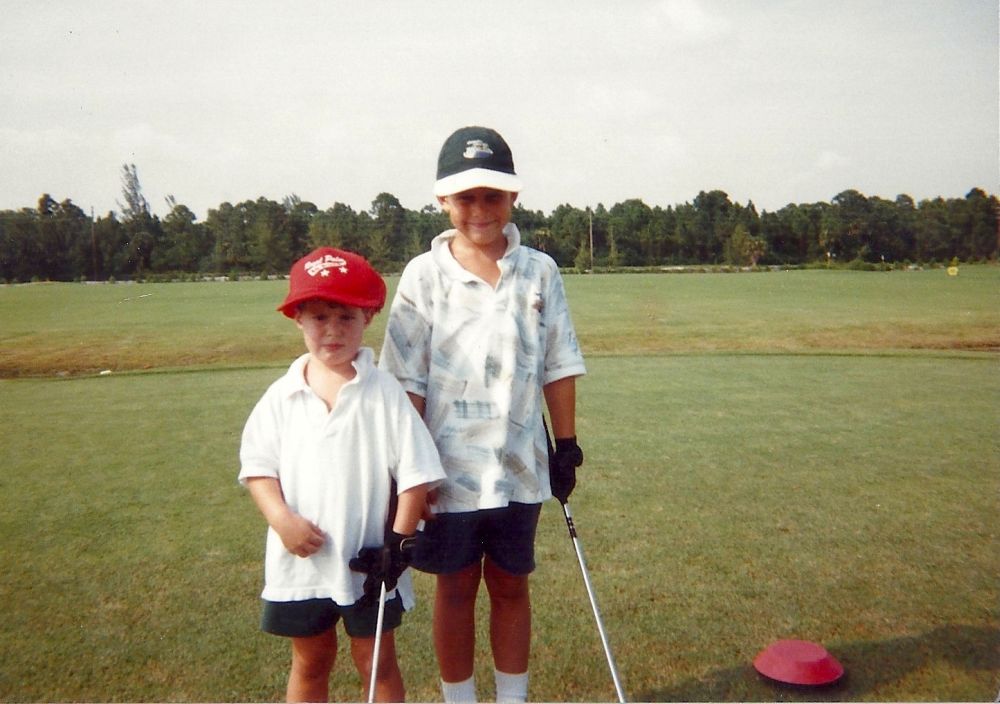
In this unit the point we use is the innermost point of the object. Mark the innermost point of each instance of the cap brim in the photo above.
(798, 662)
(477, 178)
(290, 305)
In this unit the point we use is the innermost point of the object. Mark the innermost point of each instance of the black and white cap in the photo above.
(475, 157)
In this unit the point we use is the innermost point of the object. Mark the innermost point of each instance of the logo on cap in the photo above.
(477, 149)
(323, 265)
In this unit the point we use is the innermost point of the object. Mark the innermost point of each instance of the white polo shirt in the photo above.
(480, 356)
(335, 469)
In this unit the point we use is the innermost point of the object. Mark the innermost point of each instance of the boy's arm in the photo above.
(430, 497)
(410, 510)
(385, 564)
(560, 397)
(300, 536)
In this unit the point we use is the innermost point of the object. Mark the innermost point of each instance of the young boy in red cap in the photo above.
(322, 454)
(478, 334)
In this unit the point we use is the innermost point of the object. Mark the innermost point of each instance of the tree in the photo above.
(614, 258)
(187, 245)
(712, 225)
(334, 227)
(229, 227)
(19, 246)
(386, 240)
(982, 231)
(138, 222)
(846, 226)
(568, 226)
(269, 237)
(300, 215)
(933, 234)
(111, 243)
(423, 226)
(629, 221)
(743, 249)
(59, 247)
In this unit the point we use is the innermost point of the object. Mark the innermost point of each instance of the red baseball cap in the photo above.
(334, 275)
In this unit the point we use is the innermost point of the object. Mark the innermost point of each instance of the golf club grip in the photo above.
(570, 525)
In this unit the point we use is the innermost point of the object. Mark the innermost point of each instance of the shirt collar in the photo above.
(294, 380)
(441, 252)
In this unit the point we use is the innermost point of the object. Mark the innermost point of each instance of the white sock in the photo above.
(511, 688)
(459, 691)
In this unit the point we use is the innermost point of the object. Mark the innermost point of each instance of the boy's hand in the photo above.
(300, 536)
(562, 467)
(384, 564)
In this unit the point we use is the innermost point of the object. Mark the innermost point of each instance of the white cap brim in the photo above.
(477, 178)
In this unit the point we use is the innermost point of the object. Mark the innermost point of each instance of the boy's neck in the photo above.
(326, 382)
(479, 258)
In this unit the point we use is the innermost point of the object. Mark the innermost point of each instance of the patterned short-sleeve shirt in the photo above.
(480, 356)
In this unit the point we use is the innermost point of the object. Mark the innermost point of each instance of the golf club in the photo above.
(593, 602)
(378, 643)
(376, 649)
(571, 526)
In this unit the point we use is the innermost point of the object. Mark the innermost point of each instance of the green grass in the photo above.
(734, 492)
(48, 329)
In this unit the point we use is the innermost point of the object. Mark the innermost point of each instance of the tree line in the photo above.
(58, 241)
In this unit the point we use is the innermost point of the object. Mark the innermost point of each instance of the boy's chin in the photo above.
(334, 361)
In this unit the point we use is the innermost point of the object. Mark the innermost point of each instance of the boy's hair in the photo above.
(337, 276)
(475, 157)
(369, 312)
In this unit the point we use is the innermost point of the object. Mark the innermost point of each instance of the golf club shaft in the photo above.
(378, 644)
(377, 648)
(593, 602)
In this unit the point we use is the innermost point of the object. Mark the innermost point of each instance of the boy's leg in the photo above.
(510, 618)
(455, 622)
(312, 661)
(388, 679)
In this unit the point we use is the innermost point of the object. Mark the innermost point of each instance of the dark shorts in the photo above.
(302, 619)
(453, 541)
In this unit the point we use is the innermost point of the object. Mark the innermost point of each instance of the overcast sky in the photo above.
(774, 101)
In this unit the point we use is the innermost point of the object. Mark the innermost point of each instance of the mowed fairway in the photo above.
(773, 455)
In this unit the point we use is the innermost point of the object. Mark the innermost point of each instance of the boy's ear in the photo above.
(443, 202)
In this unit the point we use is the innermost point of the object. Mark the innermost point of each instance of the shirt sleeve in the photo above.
(562, 350)
(417, 459)
(260, 446)
(406, 349)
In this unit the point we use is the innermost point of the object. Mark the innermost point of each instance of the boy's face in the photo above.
(480, 214)
(332, 331)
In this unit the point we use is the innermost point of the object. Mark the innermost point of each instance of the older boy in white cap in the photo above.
(322, 453)
(479, 333)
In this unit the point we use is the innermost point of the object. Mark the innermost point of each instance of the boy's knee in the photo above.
(460, 586)
(501, 584)
(313, 658)
(313, 666)
(363, 653)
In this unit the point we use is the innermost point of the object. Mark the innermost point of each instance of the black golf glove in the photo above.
(562, 467)
(383, 564)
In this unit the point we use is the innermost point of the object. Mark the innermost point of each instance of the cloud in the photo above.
(689, 21)
(829, 160)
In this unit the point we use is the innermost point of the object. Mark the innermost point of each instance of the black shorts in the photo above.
(453, 541)
(311, 617)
